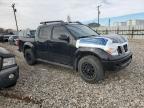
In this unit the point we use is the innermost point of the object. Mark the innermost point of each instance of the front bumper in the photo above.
(5, 80)
(117, 62)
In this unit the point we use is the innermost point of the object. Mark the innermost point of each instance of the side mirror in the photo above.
(64, 37)
(28, 35)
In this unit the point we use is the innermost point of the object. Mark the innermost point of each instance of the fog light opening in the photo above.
(11, 76)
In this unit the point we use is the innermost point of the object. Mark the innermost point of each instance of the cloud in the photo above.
(105, 2)
(2, 3)
(31, 12)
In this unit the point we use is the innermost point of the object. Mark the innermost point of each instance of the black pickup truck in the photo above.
(9, 70)
(74, 45)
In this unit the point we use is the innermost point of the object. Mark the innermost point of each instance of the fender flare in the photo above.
(28, 45)
(81, 52)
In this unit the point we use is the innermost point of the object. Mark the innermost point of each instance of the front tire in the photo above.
(30, 57)
(91, 69)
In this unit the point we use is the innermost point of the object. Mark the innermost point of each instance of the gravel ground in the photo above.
(45, 85)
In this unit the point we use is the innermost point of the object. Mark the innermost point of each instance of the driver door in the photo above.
(60, 49)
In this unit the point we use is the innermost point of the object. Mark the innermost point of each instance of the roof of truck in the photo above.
(58, 22)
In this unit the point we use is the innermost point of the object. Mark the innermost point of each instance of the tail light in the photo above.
(17, 42)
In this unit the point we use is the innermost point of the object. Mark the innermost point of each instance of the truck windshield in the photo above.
(32, 32)
(81, 31)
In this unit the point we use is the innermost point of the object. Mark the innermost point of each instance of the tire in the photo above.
(30, 57)
(91, 69)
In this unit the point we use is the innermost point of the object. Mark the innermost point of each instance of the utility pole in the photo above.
(98, 7)
(14, 10)
(109, 22)
(68, 18)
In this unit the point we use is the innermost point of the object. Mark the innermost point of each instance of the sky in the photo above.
(123, 18)
(31, 12)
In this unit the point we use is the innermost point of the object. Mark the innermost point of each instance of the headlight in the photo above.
(8, 61)
(112, 51)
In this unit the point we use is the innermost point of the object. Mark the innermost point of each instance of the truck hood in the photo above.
(116, 38)
(5, 53)
(100, 41)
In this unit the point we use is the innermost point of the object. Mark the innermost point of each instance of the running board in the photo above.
(54, 63)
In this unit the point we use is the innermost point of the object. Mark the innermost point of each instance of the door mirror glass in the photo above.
(28, 35)
(64, 37)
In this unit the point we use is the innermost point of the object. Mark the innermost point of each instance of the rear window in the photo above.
(45, 32)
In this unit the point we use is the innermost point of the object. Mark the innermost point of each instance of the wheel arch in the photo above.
(97, 52)
(28, 45)
(82, 54)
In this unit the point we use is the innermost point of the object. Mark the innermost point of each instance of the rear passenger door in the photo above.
(44, 37)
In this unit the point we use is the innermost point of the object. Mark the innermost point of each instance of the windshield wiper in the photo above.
(87, 36)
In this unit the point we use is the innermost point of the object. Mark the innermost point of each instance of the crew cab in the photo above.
(74, 45)
(9, 70)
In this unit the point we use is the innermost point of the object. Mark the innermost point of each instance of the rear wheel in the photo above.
(30, 57)
(91, 69)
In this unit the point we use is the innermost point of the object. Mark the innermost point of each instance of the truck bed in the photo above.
(22, 40)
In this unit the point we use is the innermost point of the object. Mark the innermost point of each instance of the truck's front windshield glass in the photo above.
(32, 32)
(81, 31)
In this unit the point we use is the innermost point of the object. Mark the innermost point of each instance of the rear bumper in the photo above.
(5, 80)
(116, 63)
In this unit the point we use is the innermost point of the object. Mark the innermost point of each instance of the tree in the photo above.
(1, 30)
(68, 18)
(93, 25)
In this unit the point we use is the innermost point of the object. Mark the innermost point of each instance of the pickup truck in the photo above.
(76, 46)
(9, 70)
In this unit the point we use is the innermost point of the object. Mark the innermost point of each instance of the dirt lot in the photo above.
(44, 85)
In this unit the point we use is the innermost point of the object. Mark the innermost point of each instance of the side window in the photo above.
(45, 32)
(58, 31)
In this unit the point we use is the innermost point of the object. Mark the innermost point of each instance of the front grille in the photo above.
(125, 48)
(122, 49)
(119, 50)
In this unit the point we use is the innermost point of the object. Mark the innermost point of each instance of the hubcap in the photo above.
(88, 70)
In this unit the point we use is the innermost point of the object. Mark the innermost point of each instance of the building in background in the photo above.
(129, 23)
(135, 22)
(120, 24)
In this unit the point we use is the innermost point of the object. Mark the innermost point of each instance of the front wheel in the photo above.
(91, 69)
(30, 57)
